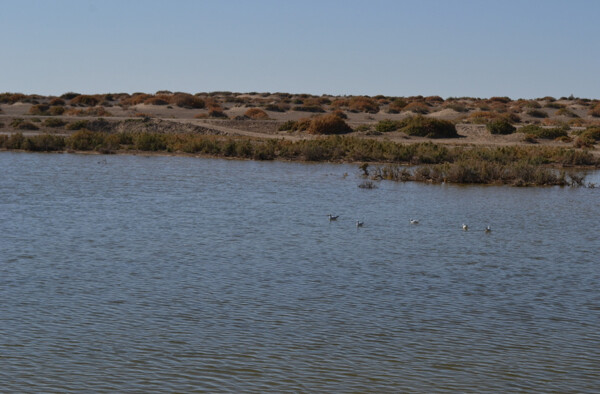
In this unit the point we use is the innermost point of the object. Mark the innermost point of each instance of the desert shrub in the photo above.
(92, 111)
(595, 111)
(503, 100)
(85, 140)
(39, 109)
(287, 126)
(85, 100)
(566, 112)
(530, 138)
(77, 125)
(54, 122)
(157, 100)
(26, 126)
(397, 105)
(280, 107)
(428, 127)
(328, 124)
(56, 110)
(216, 112)
(434, 100)
(256, 113)
(309, 108)
(149, 142)
(592, 133)
(340, 114)
(500, 126)
(363, 104)
(552, 104)
(387, 125)
(14, 141)
(11, 98)
(43, 143)
(456, 106)
(186, 100)
(531, 104)
(69, 95)
(544, 132)
(56, 101)
(417, 107)
(537, 113)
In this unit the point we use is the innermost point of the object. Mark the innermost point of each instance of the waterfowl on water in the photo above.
(465, 227)
(488, 229)
(414, 221)
(332, 217)
(359, 223)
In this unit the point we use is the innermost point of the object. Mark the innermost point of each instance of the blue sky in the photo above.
(477, 48)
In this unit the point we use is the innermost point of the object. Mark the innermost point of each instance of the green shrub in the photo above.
(149, 142)
(77, 125)
(500, 126)
(26, 126)
(287, 126)
(386, 125)
(85, 140)
(54, 122)
(543, 132)
(43, 143)
(592, 133)
(397, 105)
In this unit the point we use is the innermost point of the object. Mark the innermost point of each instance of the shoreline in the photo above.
(427, 162)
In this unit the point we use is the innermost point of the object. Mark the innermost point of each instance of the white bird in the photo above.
(465, 227)
(331, 217)
(488, 229)
(359, 223)
(414, 221)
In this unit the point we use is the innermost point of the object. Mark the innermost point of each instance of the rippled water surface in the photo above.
(185, 274)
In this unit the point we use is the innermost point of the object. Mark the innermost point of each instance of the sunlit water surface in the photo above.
(185, 274)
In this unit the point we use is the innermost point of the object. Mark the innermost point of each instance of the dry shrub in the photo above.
(11, 98)
(328, 124)
(434, 100)
(186, 100)
(158, 100)
(94, 111)
(595, 111)
(340, 103)
(256, 113)
(85, 100)
(417, 107)
(363, 104)
(503, 99)
(277, 107)
(397, 105)
(566, 112)
(56, 101)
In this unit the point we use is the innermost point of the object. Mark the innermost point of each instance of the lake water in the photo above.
(182, 274)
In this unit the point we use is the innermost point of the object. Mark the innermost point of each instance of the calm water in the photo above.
(182, 274)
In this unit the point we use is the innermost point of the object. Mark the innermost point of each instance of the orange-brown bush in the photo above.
(328, 124)
(56, 101)
(85, 100)
(363, 104)
(417, 107)
(256, 113)
(186, 100)
(93, 111)
(397, 105)
(595, 111)
(158, 100)
(11, 98)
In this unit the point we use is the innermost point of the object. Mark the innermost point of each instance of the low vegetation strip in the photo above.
(444, 163)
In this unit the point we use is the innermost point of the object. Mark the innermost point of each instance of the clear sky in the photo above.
(477, 48)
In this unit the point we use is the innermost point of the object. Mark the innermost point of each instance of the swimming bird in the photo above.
(414, 221)
(359, 223)
(488, 229)
(465, 227)
(331, 217)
